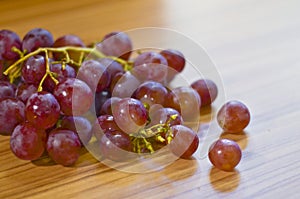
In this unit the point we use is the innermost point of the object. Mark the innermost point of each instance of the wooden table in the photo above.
(255, 46)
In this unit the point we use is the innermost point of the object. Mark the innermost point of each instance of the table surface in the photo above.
(255, 46)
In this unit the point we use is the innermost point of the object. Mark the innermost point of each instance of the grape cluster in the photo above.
(49, 90)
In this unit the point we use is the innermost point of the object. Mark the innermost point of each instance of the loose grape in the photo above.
(225, 154)
(28, 142)
(233, 116)
(74, 96)
(8, 40)
(12, 112)
(63, 146)
(207, 90)
(185, 141)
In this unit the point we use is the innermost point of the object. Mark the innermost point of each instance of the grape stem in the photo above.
(14, 71)
(139, 139)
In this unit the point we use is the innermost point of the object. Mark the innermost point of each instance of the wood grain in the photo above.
(255, 46)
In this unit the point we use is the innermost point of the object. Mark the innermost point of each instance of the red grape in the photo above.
(151, 92)
(6, 89)
(162, 115)
(115, 145)
(225, 154)
(108, 104)
(61, 74)
(68, 40)
(42, 109)
(100, 99)
(12, 112)
(74, 96)
(124, 84)
(185, 141)
(207, 90)
(94, 74)
(33, 70)
(112, 67)
(103, 124)
(37, 38)
(63, 146)
(233, 116)
(150, 66)
(79, 125)
(28, 142)
(116, 44)
(174, 58)
(24, 91)
(9, 39)
(130, 115)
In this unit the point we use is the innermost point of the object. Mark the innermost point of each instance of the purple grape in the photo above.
(94, 74)
(150, 66)
(123, 85)
(206, 89)
(151, 92)
(112, 67)
(103, 124)
(6, 89)
(174, 58)
(61, 74)
(79, 125)
(100, 99)
(108, 104)
(115, 145)
(63, 146)
(37, 38)
(28, 142)
(24, 91)
(9, 39)
(42, 109)
(34, 69)
(68, 40)
(130, 115)
(12, 112)
(116, 44)
(74, 96)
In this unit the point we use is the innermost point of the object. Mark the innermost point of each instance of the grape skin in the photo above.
(225, 154)
(206, 89)
(233, 116)
(174, 58)
(28, 142)
(74, 96)
(130, 115)
(34, 69)
(24, 91)
(12, 112)
(9, 39)
(79, 125)
(37, 38)
(42, 109)
(116, 44)
(108, 104)
(6, 89)
(94, 74)
(151, 93)
(103, 124)
(185, 141)
(115, 145)
(63, 146)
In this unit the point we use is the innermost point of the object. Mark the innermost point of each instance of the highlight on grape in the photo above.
(134, 106)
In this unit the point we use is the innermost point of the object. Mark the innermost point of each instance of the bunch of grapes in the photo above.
(49, 90)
